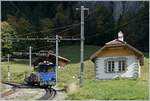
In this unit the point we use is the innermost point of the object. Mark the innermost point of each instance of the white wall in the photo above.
(131, 68)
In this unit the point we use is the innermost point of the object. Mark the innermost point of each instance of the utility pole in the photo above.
(56, 69)
(8, 56)
(82, 45)
(30, 57)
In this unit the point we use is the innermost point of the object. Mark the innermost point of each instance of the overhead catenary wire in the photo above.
(47, 30)
(86, 19)
(59, 33)
(53, 29)
(79, 24)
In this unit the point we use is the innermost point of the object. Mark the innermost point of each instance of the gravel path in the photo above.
(31, 93)
(5, 87)
(26, 94)
(23, 93)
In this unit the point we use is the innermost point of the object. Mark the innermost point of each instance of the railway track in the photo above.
(49, 95)
(17, 85)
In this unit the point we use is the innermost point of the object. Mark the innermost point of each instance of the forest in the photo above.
(30, 19)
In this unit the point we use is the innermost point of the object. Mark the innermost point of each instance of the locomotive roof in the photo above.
(47, 64)
(51, 58)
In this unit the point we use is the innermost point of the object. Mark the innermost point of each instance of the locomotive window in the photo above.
(46, 69)
(42, 69)
(51, 69)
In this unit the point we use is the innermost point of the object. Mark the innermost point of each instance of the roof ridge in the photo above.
(115, 40)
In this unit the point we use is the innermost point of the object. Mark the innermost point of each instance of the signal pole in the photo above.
(8, 68)
(82, 45)
(30, 57)
(56, 69)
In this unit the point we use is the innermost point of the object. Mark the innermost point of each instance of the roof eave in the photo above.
(93, 56)
(136, 50)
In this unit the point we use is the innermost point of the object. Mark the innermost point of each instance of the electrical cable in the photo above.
(58, 28)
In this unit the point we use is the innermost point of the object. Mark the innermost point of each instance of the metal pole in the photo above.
(8, 68)
(82, 46)
(30, 57)
(57, 59)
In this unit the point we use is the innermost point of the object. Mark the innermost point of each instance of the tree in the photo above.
(104, 25)
(6, 32)
(143, 24)
(46, 24)
(61, 18)
(136, 27)
(21, 25)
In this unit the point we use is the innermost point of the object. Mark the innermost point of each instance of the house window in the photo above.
(121, 65)
(110, 66)
(113, 65)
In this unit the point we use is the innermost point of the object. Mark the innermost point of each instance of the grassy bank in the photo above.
(17, 70)
(112, 90)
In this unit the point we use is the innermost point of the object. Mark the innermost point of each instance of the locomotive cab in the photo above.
(46, 74)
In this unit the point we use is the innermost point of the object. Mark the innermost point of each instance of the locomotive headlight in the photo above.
(53, 79)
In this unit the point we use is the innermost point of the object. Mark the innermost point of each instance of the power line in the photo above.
(59, 28)
(47, 38)
(39, 48)
(90, 14)
(53, 29)
(86, 19)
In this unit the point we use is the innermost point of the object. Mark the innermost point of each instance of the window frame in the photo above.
(115, 60)
(112, 63)
(111, 66)
(123, 63)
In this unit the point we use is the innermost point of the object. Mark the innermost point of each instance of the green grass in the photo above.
(66, 74)
(72, 69)
(17, 70)
(73, 52)
(112, 90)
(145, 69)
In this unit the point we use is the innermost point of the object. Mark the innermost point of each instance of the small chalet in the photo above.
(117, 59)
(49, 56)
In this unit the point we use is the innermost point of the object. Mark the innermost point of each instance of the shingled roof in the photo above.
(118, 43)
